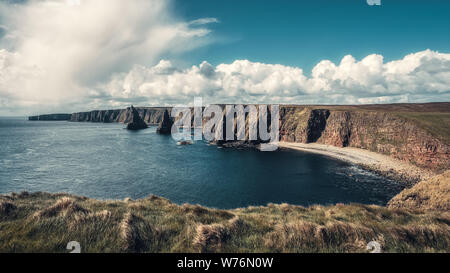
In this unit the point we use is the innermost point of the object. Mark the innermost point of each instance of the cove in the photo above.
(105, 161)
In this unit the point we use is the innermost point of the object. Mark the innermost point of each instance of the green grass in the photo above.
(42, 222)
(437, 124)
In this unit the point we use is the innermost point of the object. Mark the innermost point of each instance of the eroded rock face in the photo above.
(136, 122)
(151, 115)
(249, 132)
(376, 128)
(316, 124)
(165, 126)
(377, 131)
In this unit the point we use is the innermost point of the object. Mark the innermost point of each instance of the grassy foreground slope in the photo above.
(43, 222)
(430, 194)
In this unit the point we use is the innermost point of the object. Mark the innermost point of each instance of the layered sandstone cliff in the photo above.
(378, 128)
(378, 131)
(151, 115)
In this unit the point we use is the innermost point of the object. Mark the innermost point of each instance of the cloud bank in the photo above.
(54, 52)
(422, 76)
(79, 55)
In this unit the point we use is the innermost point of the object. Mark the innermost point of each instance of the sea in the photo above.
(106, 161)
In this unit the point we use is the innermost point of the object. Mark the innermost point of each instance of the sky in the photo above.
(79, 55)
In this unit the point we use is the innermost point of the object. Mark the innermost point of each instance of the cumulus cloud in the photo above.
(422, 76)
(74, 55)
(425, 72)
(55, 51)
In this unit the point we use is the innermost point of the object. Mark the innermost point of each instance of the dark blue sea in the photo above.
(107, 162)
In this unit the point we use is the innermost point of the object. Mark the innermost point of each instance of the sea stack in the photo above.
(136, 122)
(165, 126)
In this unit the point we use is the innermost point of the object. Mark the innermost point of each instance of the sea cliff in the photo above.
(151, 115)
(414, 133)
(398, 134)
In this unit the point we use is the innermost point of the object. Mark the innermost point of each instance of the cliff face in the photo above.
(378, 128)
(151, 116)
(382, 132)
(388, 134)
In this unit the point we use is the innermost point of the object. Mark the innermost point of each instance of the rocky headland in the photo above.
(410, 140)
(415, 134)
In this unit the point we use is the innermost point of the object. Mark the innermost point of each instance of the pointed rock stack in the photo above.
(136, 122)
(165, 126)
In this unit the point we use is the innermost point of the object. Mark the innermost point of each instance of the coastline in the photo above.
(382, 164)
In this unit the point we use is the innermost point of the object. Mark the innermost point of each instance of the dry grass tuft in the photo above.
(306, 236)
(21, 195)
(234, 224)
(209, 238)
(6, 207)
(199, 211)
(64, 206)
(291, 235)
(157, 225)
(127, 233)
(430, 235)
(89, 218)
(194, 209)
(430, 194)
(137, 234)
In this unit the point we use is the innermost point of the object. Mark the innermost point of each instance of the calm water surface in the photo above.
(107, 162)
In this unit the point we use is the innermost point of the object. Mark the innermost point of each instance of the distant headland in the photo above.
(417, 133)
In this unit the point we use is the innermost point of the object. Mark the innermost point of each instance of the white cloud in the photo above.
(203, 21)
(78, 55)
(57, 50)
(425, 72)
(423, 76)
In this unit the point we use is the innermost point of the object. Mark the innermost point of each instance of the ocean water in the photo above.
(107, 162)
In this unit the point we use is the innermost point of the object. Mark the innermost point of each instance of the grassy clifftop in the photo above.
(430, 194)
(414, 133)
(43, 222)
(436, 123)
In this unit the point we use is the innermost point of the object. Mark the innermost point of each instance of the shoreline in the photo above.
(381, 164)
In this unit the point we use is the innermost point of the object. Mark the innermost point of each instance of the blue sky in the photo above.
(78, 55)
(301, 33)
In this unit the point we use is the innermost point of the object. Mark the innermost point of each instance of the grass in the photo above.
(44, 222)
(437, 124)
(431, 194)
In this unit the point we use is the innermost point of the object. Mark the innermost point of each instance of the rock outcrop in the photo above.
(165, 125)
(151, 115)
(136, 122)
(399, 130)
